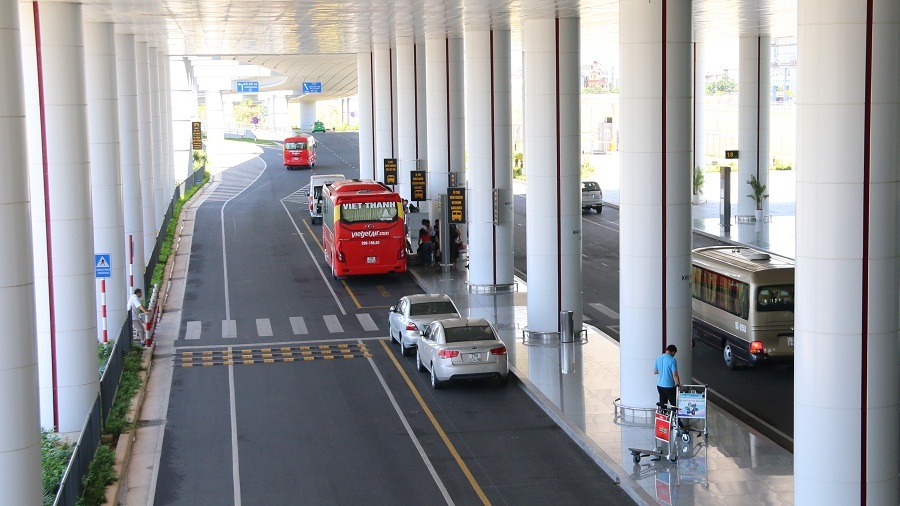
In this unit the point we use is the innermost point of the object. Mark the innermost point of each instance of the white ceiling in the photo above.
(317, 40)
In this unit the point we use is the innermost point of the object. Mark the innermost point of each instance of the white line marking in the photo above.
(412, 435)
(605, 310)
(331, 321)
(263, 327)
(235, 463)
(229, 329)
(366, 321)
(193, 330)
(298, 325)
(315, 262)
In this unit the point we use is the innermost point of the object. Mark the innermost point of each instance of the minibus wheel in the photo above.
(729, 357)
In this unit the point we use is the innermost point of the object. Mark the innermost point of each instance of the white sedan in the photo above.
(413, 313)
(462, 348)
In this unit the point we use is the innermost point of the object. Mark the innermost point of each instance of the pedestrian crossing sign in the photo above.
(103, 267)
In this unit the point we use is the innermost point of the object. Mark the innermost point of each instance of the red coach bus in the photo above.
(299, 151)
(363, 228)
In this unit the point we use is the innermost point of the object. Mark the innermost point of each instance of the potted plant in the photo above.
(759, 194)
(697, 184)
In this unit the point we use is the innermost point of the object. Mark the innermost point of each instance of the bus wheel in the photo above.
(729, 357)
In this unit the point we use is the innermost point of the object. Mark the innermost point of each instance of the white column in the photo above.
(280, 120)
(410, 113)
(145, 127)
(366, 116)
(699, 105)
(552, 155)
(129, 154)
(655, 239)
(215, 117)
(753, 119)
(69, 273)
(846, 380)
(489, 139)
(20, 441)
(106, 178)
(165, 122)
(159, 200)
(385, 124)
(184, 110)
(307, 116)
(445, 109)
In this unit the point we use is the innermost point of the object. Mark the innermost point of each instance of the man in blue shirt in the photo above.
(667, 368)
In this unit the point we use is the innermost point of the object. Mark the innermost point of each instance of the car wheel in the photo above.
(419, 366)
(503, 379)
(435, 383)
(729, 357)
(599, 209)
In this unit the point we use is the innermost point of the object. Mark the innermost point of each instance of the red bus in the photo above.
(299, 151)
(362, 228)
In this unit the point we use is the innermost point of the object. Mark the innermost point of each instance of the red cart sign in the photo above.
(662, 426)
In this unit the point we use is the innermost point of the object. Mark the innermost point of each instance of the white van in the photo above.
(316, 182)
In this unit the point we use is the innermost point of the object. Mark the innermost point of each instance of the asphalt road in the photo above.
(286, 391)
(761, 397)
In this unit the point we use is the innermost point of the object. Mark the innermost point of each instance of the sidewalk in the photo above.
(735, 465)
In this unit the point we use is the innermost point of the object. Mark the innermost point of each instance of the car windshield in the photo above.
(775, 298)
(428, 308)
(294, 145)
(590, 186)
(463, 334)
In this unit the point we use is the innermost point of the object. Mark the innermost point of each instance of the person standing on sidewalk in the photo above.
(667, 368)
(136, 308)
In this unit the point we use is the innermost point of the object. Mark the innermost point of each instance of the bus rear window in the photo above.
(775, 298)
(292, 146)
(358, 212)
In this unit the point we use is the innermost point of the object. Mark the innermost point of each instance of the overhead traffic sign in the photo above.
(312, 87)
(248, 86)
(102, 265)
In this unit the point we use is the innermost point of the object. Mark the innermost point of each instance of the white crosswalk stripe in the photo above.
(234, 181)
(264, 326)
(300, 196)
(298, 325)
(605, 310)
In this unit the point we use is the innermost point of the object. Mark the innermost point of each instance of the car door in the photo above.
(396, 318)
(425, 348)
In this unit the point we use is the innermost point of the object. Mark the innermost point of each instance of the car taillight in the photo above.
(411, 326)
(498, 351)
(756, 347)
(448, 353)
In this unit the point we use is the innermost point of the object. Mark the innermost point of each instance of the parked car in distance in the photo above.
(591, 196)
(318, 126)
(413, 314)
(462, 348)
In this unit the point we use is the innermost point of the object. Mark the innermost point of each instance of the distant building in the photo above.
(593, 76)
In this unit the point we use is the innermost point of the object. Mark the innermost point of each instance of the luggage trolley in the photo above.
(691, 401)
(665, 431)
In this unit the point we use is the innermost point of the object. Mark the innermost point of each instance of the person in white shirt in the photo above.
(136, 308)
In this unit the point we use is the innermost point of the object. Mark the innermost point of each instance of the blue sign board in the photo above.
(315, 87)
(248, 86)
(104, 269)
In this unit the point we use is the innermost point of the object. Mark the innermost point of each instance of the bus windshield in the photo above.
(294, 145)
(358, 212)
(775, 298)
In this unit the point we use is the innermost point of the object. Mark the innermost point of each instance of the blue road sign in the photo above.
(310, 87)
(103, 267)
(248, 86)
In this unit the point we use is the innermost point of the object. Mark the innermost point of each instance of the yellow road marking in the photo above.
(437, 427)
(313, 235)
(309, 358)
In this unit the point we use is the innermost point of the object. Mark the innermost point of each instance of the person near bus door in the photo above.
(136, 308)
(426, 248)
(667, 368)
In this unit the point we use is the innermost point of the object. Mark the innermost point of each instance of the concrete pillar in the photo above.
(20, 441)
(411, 118)
(307, 116)
(846, 380)
(753, 119)
(445, 109)
(159, 201)
(385, 107)
(184, 112)
(106, 178)
(215, 117)
(60, 167)
(366, 87)
(145, 127)
(552, 155)
(655, 244)
(165, 123)
(129, 154)
(280, 120)
(489, 131)
(699, 105)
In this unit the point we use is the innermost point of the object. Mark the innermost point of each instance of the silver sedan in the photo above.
(414, 313)
(462, 348)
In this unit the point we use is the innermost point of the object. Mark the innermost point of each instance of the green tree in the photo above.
(722, 86)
